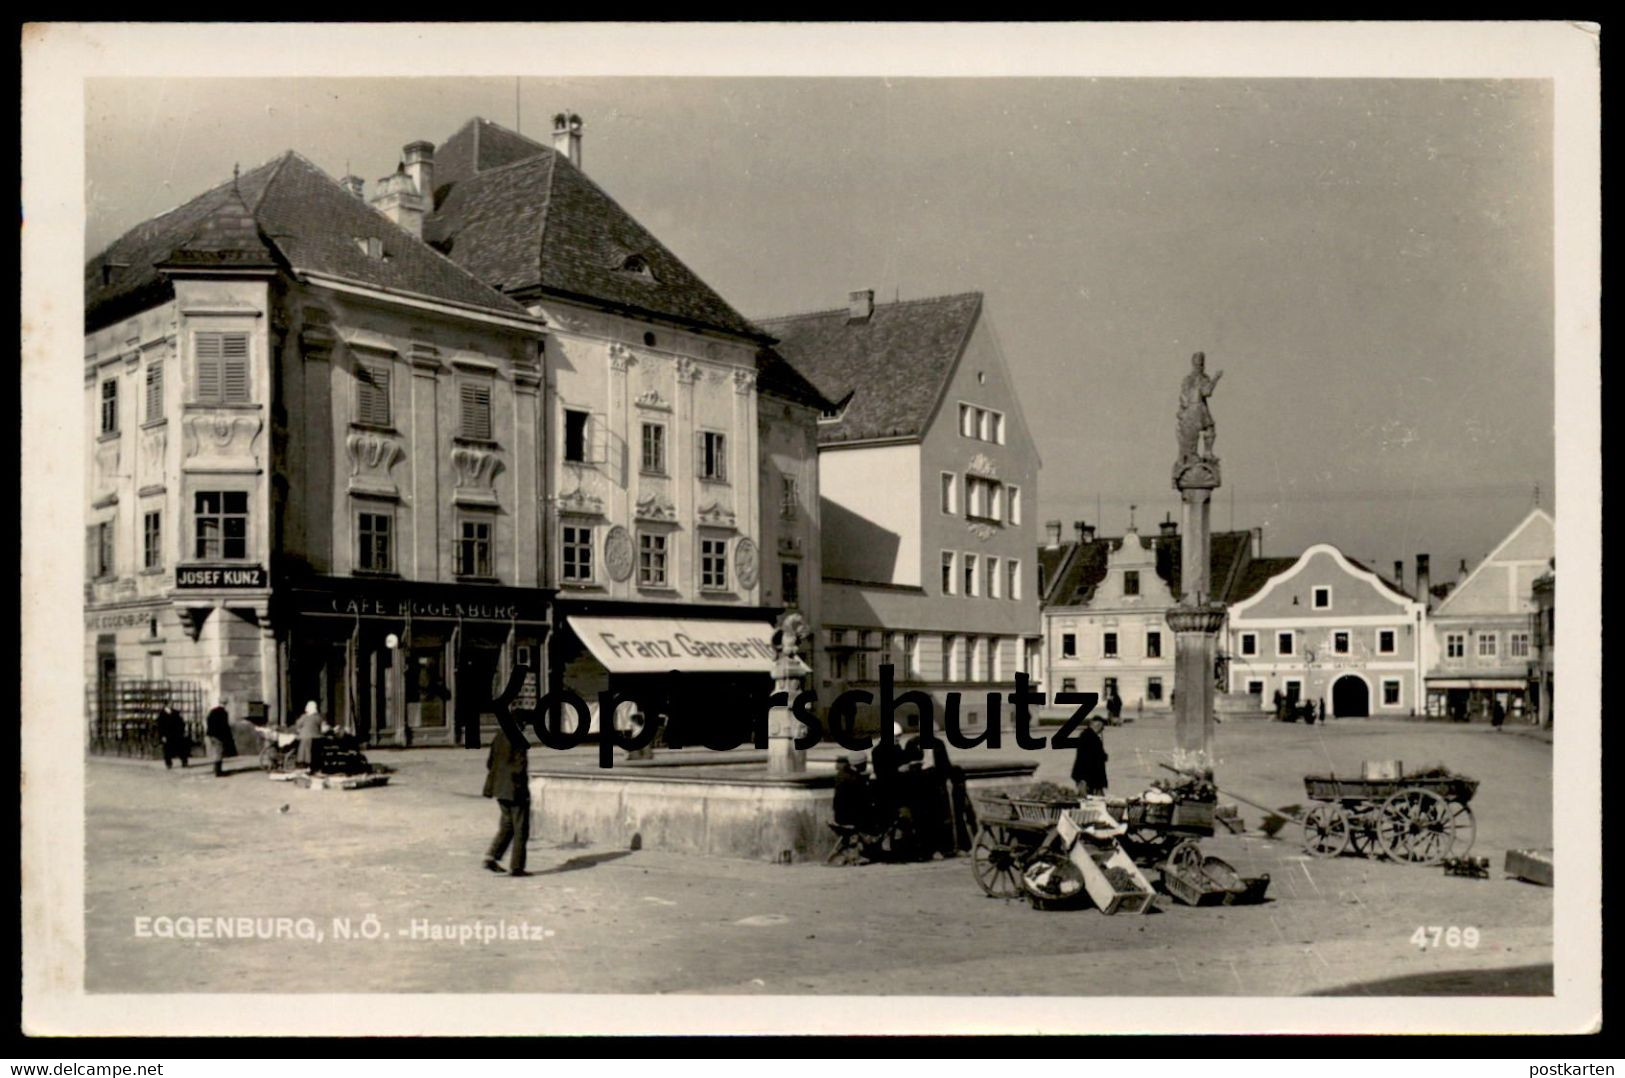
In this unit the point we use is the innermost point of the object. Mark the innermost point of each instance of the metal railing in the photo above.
(123, 714)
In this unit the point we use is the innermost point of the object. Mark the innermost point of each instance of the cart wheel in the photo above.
(1466, 829)
(994, 864)
(1185, 855)
(1416, 826)
(1363, 838)
(1052, 882)
(1326, 830)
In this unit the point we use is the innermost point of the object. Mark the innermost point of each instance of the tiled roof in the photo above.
(287, 210)
(775, 376)
(1258, 573)
(525, 220)
(1051, 564)
(892, 365)
(1389, 584)
(1229, 563)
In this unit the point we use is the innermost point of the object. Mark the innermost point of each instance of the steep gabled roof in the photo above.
(1256, 575)
(893, 365)
(1229, 566)
(774, 375)
(286, 212)
(1052, 562)
(523, 219)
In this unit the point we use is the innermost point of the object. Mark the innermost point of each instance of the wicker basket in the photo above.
(1040, 811)
(1148, 814)
(992, 808)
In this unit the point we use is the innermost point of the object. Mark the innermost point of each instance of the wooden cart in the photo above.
(1419, 820)
(1010, 832)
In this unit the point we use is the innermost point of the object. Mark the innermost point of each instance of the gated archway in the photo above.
(1351, 697)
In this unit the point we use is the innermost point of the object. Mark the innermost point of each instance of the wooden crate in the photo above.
(1094, 862)
(1535, 866)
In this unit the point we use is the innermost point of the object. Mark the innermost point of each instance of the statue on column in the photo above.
(1195, 427)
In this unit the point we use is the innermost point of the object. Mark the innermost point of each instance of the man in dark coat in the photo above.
(217, 729)
(507, 779)
(172, 734)
(1089, 768)
(1114, 707)
(1498, 714)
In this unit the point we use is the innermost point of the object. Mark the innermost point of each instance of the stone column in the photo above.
(1196, 621)
(789, 677)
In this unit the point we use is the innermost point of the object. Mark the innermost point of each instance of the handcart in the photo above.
(1010, 831)
(1417, 819)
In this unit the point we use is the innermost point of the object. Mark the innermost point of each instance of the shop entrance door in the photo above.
(476, 676)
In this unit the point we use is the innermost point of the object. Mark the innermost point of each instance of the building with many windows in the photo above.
(1327, 628)
(927, 476)
(1106, 604)
(1481, 644)
(681, 485)
(313, 461)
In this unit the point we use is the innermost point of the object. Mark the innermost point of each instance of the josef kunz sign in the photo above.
(243, 576)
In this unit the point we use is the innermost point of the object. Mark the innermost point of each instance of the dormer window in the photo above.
(834, 413)
(635, 265)
(372, 247)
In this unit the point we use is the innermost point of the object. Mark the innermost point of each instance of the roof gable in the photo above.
(894, 365)
(1321, 564)
(1487, 587)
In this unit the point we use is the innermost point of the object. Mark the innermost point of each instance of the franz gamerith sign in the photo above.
(209, 576)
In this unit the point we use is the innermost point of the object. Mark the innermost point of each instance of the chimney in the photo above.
(1424, 580)
(1086, 532)
(567, 137)
(1169, 526)
(419, 157)
(1461, 573)
(399, 200)
(860, 305)
(1399, 574)
(1052, 534)
(355, 185)
(1258, 542)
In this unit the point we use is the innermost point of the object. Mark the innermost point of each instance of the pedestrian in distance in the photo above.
(172, 735)
(1089, 766)
(1280, 706)
(1114, 706)
(1498, 714)
(507, 781)
(1323, 711)
(217, 731)
(309, 729)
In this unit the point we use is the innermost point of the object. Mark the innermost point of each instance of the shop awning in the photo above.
(660, 645)
(1478, 683)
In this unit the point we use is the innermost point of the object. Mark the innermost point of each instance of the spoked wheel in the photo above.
(1186, 855)
(993, 862)
(1417, 827)
(1326, 830)
(1466, 829)
(1051, 881)
(1363, 836)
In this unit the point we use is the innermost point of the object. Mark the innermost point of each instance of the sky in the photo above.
(1369, 261)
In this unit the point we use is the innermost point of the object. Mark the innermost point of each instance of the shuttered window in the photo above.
(110, 406)
(155, 390)
(475, 404)
(372, 394)
(222, 368)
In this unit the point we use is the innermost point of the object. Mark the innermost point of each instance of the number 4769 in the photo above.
(1440, 936)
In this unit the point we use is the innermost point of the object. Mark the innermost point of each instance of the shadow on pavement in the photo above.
(1511, 981)
(585, 861)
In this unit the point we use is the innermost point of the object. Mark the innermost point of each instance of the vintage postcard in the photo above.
(823, 528)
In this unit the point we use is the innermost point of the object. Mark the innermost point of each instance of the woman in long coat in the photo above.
(309, 728)
(217, 731)
(1089, 767)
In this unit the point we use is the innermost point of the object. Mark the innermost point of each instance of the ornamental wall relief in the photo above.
(227, 437)
(980, 464)
(747, 562)
(476, 468)
(715, 514)
(618, 554)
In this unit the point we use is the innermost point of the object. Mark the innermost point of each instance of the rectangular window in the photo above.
(575, 435)
(911, 655)
(1153, 645)
(222, 368)
(947, 572)
(1455, 645)
(790, 582)
(1108, 646)
(155, 391)
(474, 410)
(1284, 643)
(372, 394)
(972, 577)
(1293, 687)
(950, 659)
(474, 549)
(1013, 504)
(1249, 643)
(654, 448)
(1486, 645)
(221, 519)
(372, 529)
(1069, 684)
(110, 406)
(1153, 689)
(1108, 688)
(713, 564)
(152, 550)
(1131, 582)
(984, 425)
(1385, 642)
(576, 549)
(967, 421)
(993, 578)
(984, 499)
(652, 560)
(789, 497)
(1323, 598)
(714, 456)
(1340, 643)
(950, 492)
(99, 550)
(1255, 688)
(998, 428)
(1518, 645)
(1390, 691)
(977, 659)
(1012, 579)
(995, 502)
(1069, 645)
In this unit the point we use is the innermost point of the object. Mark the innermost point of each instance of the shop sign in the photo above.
(118, 619)
(421, 608)
(204, 576)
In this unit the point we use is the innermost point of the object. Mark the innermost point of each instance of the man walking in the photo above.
(172, 735)
(1089, 768)
(507, 779)
(217, 730)
(1114, 706)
